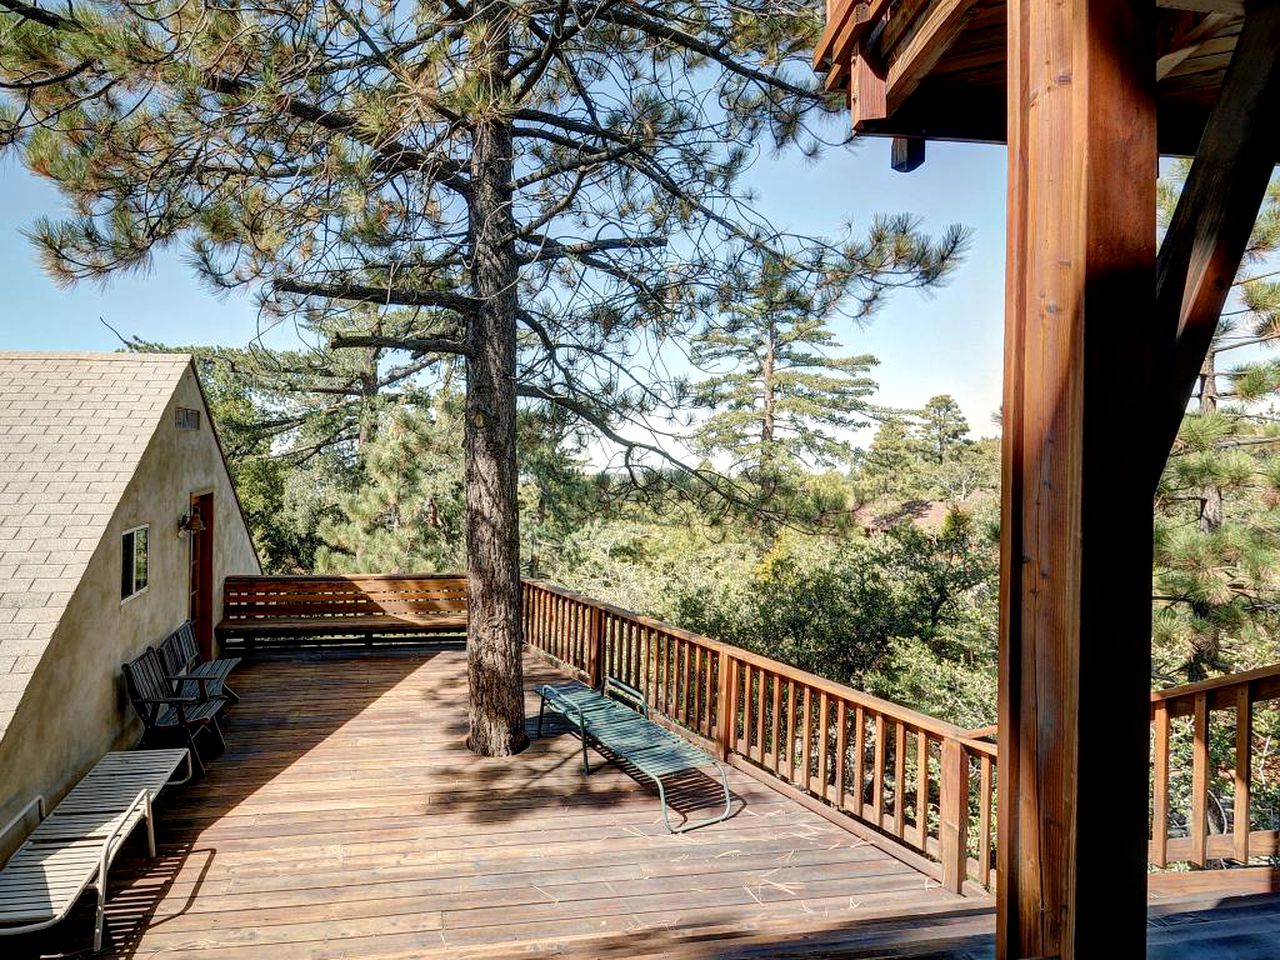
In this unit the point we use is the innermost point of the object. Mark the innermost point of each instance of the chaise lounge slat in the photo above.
(629, 734)
(72, 847)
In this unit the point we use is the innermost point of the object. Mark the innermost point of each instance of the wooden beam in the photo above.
(1233, 7)
(1183, 39)
(867, 90)
(1214, 218)
(906, 154)
(847, 21)
(919, 52)
(1076, 526)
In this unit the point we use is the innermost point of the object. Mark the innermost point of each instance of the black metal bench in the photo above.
(625, 730)
(181, 654)
(166, 709)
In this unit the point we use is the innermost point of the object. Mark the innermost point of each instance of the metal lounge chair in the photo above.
(72, 848)
(624, 728)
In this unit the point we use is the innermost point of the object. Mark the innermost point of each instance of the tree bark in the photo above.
(495, 670)
(1211, 513)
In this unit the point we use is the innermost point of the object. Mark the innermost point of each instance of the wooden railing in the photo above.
(1224, 698)
(872, 765)
(881, 770)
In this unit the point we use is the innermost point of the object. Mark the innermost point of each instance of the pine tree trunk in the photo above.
(1211, 513)
(495, 672)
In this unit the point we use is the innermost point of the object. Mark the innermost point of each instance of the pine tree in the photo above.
(548, 189)
(1217, 578)
(779, 400)
(942, 427)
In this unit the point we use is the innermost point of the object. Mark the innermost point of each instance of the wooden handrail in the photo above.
(880, 769)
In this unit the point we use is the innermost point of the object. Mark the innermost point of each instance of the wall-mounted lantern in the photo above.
(190, 523)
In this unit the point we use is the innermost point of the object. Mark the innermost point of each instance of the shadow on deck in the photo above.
(347, 819)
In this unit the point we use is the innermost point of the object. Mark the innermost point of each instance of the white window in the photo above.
(133, 562)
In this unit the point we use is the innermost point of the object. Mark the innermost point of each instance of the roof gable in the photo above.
(73, 428)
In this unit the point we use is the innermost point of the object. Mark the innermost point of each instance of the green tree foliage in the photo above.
(1217, 548)
(545, 189)
(942, 427)
(407, 512)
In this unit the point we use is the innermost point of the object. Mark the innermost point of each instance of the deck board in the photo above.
(347, 819)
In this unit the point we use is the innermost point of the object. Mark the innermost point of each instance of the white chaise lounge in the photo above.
(72, 847)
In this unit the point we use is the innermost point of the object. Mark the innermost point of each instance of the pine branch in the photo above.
(386, 296)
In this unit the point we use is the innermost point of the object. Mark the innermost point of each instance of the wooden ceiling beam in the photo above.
(1233, 7)
(1214, 218)
(924, 45)
(1185, 38)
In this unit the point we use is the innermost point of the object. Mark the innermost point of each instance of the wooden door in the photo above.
(202, 574)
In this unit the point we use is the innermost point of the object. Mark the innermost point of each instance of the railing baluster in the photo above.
(877, 775)
(759, 716)
(1200, 782)
(899, 779)
(824, 733)
(922, 790)
(984, 821)
(1244, 773)
(1160, 788)
(791, 730)
(842, 745)
(860, 761)
(806, 741)
(775, 732)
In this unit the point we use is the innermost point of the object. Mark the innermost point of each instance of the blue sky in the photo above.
(949, 342)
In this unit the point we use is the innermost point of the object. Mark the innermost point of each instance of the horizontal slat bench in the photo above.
(311, 608)
(624, 728)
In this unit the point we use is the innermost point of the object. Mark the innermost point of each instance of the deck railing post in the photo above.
(596, 651)
(953, 828)
(724, 708)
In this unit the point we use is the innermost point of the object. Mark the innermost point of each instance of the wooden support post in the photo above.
(1076, 533)
(596, 647)
(726, 701)
(906, 154)
(953, 811)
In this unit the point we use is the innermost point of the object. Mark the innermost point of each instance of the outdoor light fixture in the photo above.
(190, 522)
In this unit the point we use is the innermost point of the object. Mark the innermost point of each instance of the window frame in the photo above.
(130, 569)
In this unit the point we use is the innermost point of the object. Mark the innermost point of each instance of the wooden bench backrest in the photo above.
(147, 679)
(179, 649)
(355, 595)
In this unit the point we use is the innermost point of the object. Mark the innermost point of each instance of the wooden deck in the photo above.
(347, 819)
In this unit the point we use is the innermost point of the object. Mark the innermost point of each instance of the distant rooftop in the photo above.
(73, 427)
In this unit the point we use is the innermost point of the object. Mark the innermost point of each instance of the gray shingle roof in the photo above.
(73, 427)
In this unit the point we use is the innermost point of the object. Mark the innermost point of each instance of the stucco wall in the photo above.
(75, 707)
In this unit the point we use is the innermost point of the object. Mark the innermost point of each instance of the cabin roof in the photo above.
(942, 64)
(73, 428)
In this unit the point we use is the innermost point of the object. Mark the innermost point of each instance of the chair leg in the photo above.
(194, 750)
(217, 732)
(230, 694)
(151, 827)
(100, 919)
